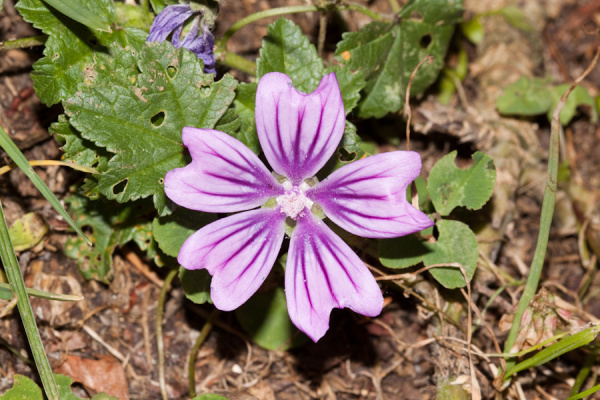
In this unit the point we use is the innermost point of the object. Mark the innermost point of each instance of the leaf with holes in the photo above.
(73, 51)
(142, 123)
(351, 83)
(456, 243)
(387, 53)
(286, 49)
(348, 151)
(451, 187)
(112, 225)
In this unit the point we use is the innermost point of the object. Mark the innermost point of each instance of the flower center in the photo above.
(294, 201)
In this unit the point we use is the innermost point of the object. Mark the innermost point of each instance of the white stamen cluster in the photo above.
(294, 201)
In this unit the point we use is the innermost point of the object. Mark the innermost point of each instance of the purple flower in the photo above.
(171, 21)
(298, 133)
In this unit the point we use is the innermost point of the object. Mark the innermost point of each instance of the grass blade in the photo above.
(13, 152)
(78, 12)
(13, 273)
(42, 294)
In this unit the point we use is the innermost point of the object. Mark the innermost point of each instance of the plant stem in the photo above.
(13, 273)
(159, 336)
(25, 42)
(290, 10)
(235, 61)
(41, 163)
(394, 6)
(201, 338)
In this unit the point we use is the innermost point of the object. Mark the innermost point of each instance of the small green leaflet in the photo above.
(245, 104)
(533, 96)
(79, 11)
(451, 187)
(456, 243)
(142, 123)
(387, 53)
(26, 389)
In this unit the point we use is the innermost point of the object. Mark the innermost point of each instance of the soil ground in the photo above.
(107, 342)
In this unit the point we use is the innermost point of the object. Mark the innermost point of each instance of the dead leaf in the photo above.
(103, 375)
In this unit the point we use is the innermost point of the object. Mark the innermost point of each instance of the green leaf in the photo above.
(265, 318)
(348, 151)
(172, 230)
(195, 285)
(402, 252)
(210, 396)
(578, 97)
(89, 13)
(286, 49)
(351, 83)
(78, 150)
(112, 225)
(526, 96)
(229, 123)
(171, 92)
(23, 389)
(451, 187)
(473, 30)
(456, 244)
(387, 53)
(245, 104)
(27, 231)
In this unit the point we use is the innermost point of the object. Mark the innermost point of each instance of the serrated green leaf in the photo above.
(351, 83)
(112, 225)
(78, 150)
(133, 16)
(170, 93)
(456, 244)
(245, 104)
(229, 123)
(286, 49)
(451, 187)
(265, 318)
(23, 389)
(387, 53)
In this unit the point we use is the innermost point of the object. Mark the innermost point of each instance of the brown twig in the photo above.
(407, 111)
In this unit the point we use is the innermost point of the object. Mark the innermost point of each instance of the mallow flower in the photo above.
(170, 21)
(298, 133)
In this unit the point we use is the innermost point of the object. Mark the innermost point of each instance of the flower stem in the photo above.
(25, 42)
(291, 10)
(194, 352)
(159, 336)
(13, 273)
(235, 61)
(40, 163)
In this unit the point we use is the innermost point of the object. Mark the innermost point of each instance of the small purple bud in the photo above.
(199, 40)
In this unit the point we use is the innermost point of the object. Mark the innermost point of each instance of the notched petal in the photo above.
(368, 196)
(323, 273)
(167, 21)
(238, 251)
(298, 132)
(224, 175)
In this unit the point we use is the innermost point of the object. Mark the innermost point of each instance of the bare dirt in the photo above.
(107, 342)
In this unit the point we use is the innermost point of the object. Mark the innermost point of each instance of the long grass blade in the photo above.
(13, 273)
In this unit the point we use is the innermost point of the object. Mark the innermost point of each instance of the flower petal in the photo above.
(201, 45)
(169, 18)
(298, 132)
(323, 273)
(224, 175)
(238, 251)
(368, 197)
